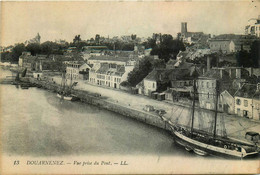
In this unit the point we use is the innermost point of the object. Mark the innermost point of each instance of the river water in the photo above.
(35, 122)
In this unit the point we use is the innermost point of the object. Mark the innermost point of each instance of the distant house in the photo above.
(157, 80)
(77, 70)
(191, 37)
(223, 45)
(207, 88)
(181, 64)
(229, 43)
(182, 83)
(160, 79)
(22, 57)
(247, 101)
(227, 100)
(32, 63)
(89, 51)
(111, 59)
(253, 27)
(109, 74)
(256, 103)
(71, 49)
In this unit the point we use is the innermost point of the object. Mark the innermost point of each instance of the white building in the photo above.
(225, 46)
(253, 27)
(247, 101)
(109, 74)
(111, 60)
(76, 70)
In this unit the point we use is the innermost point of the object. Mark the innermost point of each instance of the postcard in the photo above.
(130, 87)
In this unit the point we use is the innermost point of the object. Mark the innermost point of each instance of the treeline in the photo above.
(45, 48)
(164, 46)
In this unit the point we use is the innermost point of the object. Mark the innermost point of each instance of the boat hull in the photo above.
(69, 98)
(205, 149)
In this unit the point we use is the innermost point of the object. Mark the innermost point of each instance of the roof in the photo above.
(103, 69)
(248, 91)
(76, 62)
(169, 74)
(106, 69)
(215, 74)
(220, 40)
(185, 65)
(95, 47)
(158, 74)
(141, 84)
(182, 54)
(109, 58)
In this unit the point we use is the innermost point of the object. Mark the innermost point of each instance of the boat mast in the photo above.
(193, 106)
(216, 109)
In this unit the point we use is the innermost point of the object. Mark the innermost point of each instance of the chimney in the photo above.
(238, 73)
(221, 73)
(208, 63)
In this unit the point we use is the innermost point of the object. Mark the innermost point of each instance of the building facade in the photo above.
(206, 87)
(253, 27)
(243, 106)
(225, 46)
(247, 101)
(108, 74)
(77, 70)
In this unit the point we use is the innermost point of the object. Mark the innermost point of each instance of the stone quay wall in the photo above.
(105, 103)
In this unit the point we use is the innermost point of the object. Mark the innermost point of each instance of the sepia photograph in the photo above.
(130, 87)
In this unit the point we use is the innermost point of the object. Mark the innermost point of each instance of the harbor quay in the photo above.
(132, 105)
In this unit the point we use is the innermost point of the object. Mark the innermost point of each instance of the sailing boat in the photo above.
(203, 143)
(65, 91)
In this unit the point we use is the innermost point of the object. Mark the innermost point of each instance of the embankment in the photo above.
(108, 104)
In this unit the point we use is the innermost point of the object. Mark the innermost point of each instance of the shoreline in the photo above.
(103, 102)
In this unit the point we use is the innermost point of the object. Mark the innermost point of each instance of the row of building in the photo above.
(175, 82)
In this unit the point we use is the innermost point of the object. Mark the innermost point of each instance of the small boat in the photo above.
(65, 90)
(65, 97)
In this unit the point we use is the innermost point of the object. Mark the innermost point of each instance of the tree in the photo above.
(133, 37)
(77, 39)
(17, 52)
(34, 48)
(255, 53)
(140, 71)
(167, 47)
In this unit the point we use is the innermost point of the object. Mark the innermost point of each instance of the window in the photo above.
(238, 111)
(202, 84)
(238, 101)
(207, 84)
(153, 85)
(245, 103)
(208, 94)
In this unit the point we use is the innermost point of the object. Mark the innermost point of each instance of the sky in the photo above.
(21, 21)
